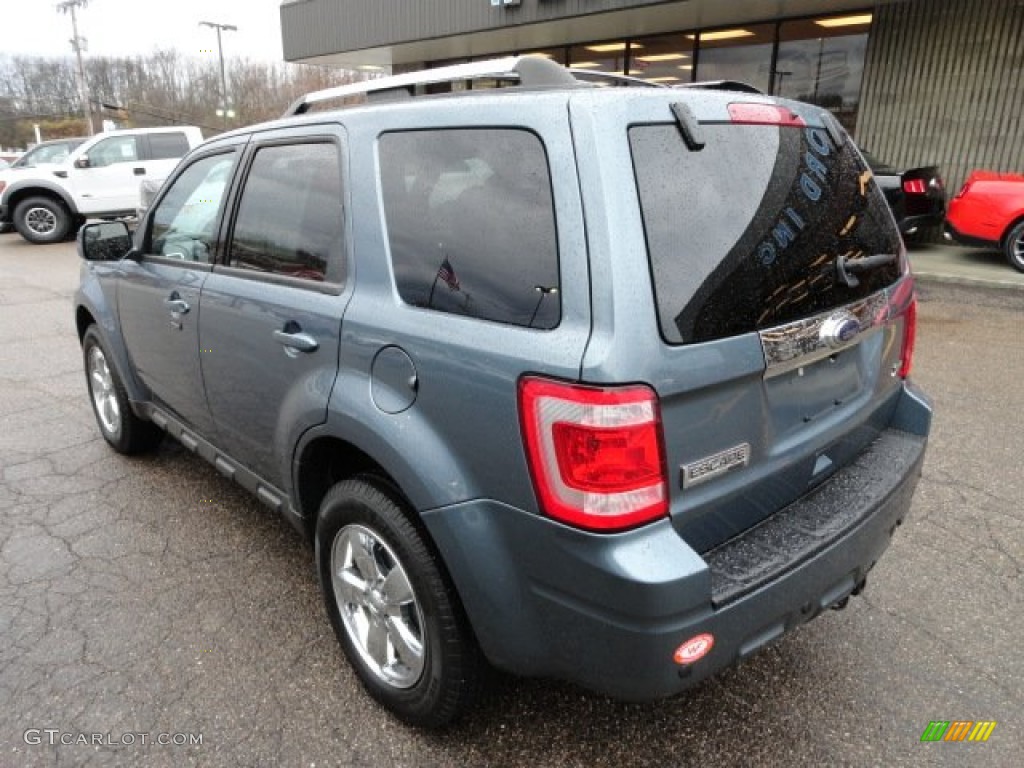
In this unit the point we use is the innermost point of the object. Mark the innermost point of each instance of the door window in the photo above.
(184, 221)
(290, 219)
(116, 149)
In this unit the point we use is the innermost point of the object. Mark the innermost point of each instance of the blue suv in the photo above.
(601, 384)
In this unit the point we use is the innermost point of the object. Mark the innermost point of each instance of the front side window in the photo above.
(185, 219)
(117, 149)
(471, 224)
(290, 219)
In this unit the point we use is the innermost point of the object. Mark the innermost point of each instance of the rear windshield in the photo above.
(761, 227)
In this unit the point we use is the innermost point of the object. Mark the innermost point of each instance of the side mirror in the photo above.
(105, 241)
(82, 162)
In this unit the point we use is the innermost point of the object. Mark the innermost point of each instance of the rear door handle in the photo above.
(177, 305)
(302, 342)
(139, 171)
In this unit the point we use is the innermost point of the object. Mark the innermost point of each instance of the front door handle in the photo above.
(139, 171)
(302, 342)
(177, 305)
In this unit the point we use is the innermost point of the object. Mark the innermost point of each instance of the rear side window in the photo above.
(167, 146)
(290, 218)
(757, 229)
(471, 224)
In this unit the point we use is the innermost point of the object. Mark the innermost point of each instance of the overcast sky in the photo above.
(131, 27)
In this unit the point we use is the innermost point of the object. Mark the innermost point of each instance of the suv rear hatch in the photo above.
(782, 297)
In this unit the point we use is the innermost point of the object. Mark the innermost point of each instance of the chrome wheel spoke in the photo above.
(99, 385)
(351, 587)
(377, 641)
(407, 646)
(396, 591)
(362, 553)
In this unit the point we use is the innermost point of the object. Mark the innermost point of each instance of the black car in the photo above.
(916, 196)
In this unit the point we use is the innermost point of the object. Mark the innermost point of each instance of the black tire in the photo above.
(126, 432)
(1013, 246)
(42, 220)
(363, 529)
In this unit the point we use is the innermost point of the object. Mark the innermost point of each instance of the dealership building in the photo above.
(916, 81)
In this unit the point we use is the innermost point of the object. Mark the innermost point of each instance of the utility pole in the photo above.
(78, 44)
(224, 112)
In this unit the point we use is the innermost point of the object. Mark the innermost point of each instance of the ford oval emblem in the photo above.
(839, 329)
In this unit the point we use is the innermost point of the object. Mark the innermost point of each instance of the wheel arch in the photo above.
(325, 461)
(83, 319)
(1014, 222)
(35, 188)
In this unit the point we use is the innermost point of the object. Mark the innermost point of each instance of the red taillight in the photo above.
(915, 186)
(903, 304)
(909, 337)
(746, 113)
(595, 454)
(3, 186)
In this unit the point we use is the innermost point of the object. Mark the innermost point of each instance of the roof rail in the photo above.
(608, 78)
(722, 85)
(529, 71)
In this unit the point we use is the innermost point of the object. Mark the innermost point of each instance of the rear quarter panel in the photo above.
(988, 208)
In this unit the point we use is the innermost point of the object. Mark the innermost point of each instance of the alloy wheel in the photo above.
(41, 221)
(104, 397)
(378, 606)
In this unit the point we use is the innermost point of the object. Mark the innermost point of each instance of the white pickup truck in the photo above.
(99, 179)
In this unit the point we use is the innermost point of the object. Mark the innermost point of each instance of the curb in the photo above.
(973, 282)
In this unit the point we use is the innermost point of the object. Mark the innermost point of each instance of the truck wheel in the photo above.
(392, 606)
(42, 220)
(1013, 246)
(120, 427)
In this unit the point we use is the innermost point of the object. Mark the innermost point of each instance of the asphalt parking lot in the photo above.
(151, 597)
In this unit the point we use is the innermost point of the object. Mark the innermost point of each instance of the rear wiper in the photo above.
(689, 127)
(847, 269)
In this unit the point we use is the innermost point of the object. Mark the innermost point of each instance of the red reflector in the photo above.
(746, 113)
(914, 186)
(694, 649)
(909, 337)
(595, 454)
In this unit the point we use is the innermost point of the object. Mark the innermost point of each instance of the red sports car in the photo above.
(989, 212)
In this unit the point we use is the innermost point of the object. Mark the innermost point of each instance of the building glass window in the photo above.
(821, 61)
(739, 53)
(667, 59)
(607, 57)
(556, 55)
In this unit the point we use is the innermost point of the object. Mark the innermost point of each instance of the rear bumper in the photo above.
(952, 233)
(910, 224)
(609, 611)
